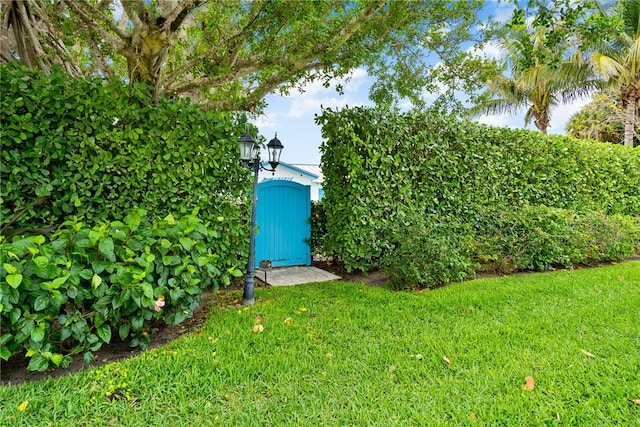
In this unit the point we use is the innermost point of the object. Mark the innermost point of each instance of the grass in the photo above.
(345, 354)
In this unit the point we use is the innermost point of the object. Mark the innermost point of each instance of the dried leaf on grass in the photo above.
(287, 321)
(23, 406)
(392, 368)
(529, 383)
(260, 319)
(473, 417)
(586, 353)
(257, 329)
(446, 361)
(636, 401)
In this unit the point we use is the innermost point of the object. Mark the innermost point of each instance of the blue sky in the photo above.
(292, 116)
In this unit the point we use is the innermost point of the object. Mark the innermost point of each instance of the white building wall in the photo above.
(291, 173)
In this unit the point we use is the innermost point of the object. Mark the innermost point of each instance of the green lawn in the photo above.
(343, 354)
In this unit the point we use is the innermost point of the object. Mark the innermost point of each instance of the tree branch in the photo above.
(87, 12)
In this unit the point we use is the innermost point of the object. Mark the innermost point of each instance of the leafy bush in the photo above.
(69, 292)
(318, 221)
(538, 237)
(430, 252)
(381, 167)
(95, 149)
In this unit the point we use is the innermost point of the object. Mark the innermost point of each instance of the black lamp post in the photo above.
(250, 157)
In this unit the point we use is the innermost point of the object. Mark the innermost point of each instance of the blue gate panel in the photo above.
(283, 210)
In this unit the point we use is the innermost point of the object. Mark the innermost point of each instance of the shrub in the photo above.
(380, 167)
(538, 237)
(318, 227)
(69, 292)
(94, 149)
(430, 252)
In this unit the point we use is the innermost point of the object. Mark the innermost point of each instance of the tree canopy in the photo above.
(228, 54)
(544, 64)
(602, 119)
(618, 61)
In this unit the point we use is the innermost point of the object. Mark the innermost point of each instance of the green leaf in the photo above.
(41, 261)
(5, 354)
(41, 303)
(147, 289)
(170, 219)
(56, 283)
(106, 248)
(123, 331)
(38, 363)
(10, 268)
(104, 332)
(96, 281)
(37, 334)
(137, 323)
(170, 260)
(235, 272)
(38, 240)
(14, 280)
(14, 315)
(57, 359)
(186, 243)
(86, 274)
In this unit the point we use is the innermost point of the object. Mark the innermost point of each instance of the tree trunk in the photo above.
(146, 57)
(28, 35)
(629, 120)
(541, 120)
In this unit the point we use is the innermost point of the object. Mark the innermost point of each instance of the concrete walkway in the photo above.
(289, 276)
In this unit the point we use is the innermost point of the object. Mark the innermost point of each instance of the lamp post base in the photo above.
(247, 296)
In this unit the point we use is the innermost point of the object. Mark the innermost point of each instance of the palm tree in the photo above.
(539, 89)
(602, 119)
(619, 63)
(541, 77)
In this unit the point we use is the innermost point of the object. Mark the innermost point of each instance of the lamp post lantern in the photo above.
(250, 157)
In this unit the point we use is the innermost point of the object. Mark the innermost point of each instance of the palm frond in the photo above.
(496, 106)
(607, 66)
(528, 116)
(539, 75)
(630, 14)
(632, 58)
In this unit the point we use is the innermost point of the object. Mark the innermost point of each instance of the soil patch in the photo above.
(14, 371)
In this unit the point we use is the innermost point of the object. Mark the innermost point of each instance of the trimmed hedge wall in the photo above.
(115, 214)
(382, 169)
(94, 149)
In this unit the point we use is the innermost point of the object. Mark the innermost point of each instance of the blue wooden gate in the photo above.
(283, 228)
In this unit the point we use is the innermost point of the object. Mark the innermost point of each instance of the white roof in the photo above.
(310, 169)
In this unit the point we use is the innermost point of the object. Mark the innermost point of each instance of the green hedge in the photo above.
(383, 168)
(71, 291)
(433, 250)
(94, 149)
(77, 155)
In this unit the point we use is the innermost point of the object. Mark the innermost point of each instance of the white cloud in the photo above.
(490, 50)
(561, 114)
(268, 120)
(309, 98)
(502, 12)
(499, 120)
